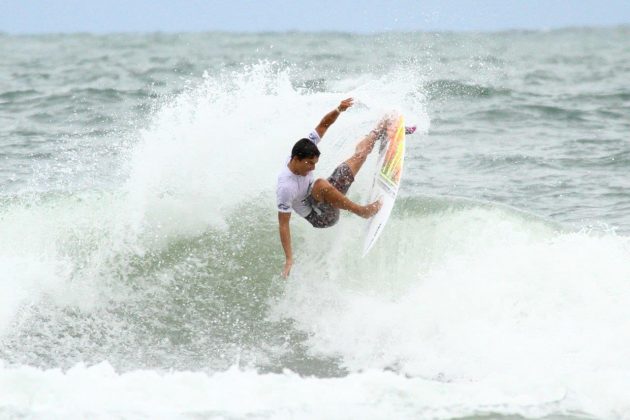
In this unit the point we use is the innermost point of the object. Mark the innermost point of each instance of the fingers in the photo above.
(287, 269)
(378, 205)
(346, 103)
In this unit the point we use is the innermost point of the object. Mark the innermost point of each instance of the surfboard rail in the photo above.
(387, 177)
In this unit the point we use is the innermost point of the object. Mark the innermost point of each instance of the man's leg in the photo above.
(365, 146)
(324, 191)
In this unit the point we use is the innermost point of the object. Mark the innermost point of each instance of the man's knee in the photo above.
(321, 184)
(320, 187)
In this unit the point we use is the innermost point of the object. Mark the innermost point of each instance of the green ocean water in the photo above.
(140, 257)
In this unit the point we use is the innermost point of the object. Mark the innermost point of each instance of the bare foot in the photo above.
(382, 125)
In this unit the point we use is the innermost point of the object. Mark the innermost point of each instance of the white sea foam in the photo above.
(203, 157)
(100, 392)
(478, 295)
(224, 142)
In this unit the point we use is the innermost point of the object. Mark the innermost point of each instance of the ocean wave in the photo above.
(441, 89)
(176, 266)
(603, 97)
(208, 299)
(510, 160)
(527, 111)
(555, 112)
(18, 94)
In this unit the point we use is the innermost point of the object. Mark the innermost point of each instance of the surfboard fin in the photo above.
(410, 129)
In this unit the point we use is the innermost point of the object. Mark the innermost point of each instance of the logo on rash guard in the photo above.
(312, 136)
(283, 207)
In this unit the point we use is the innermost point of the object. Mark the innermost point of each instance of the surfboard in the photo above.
(389, 169)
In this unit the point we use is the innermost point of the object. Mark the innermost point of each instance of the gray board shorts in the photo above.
(324, 215)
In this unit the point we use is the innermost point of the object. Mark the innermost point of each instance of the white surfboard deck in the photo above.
(387, 176)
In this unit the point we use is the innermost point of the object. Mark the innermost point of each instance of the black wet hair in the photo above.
(304, 149)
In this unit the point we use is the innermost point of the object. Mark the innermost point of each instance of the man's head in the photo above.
(304, 156)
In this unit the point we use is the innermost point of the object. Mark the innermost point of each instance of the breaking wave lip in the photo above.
(100, 269)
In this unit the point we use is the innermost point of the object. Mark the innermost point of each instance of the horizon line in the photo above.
(324, 31)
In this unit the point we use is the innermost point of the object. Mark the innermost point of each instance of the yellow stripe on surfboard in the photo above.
(391, 169)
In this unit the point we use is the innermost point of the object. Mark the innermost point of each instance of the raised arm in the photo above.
(331, 117)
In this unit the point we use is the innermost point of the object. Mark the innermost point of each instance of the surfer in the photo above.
(319, 201)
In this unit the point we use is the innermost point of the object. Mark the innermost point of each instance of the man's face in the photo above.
(305, 165)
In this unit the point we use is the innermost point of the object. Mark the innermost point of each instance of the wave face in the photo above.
(140, 257)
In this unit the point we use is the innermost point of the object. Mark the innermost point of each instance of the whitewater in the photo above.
(140, 258)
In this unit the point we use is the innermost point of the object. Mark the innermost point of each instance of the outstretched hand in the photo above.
(287, 268)
(345, 104)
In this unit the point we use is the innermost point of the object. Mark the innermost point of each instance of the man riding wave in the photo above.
(319, 201)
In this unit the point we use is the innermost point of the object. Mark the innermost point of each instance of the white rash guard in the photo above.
(292, 190)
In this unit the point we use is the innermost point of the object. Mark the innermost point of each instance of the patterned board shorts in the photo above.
(324, 215)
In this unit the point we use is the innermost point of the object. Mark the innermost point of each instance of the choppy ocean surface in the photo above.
(140, 259)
